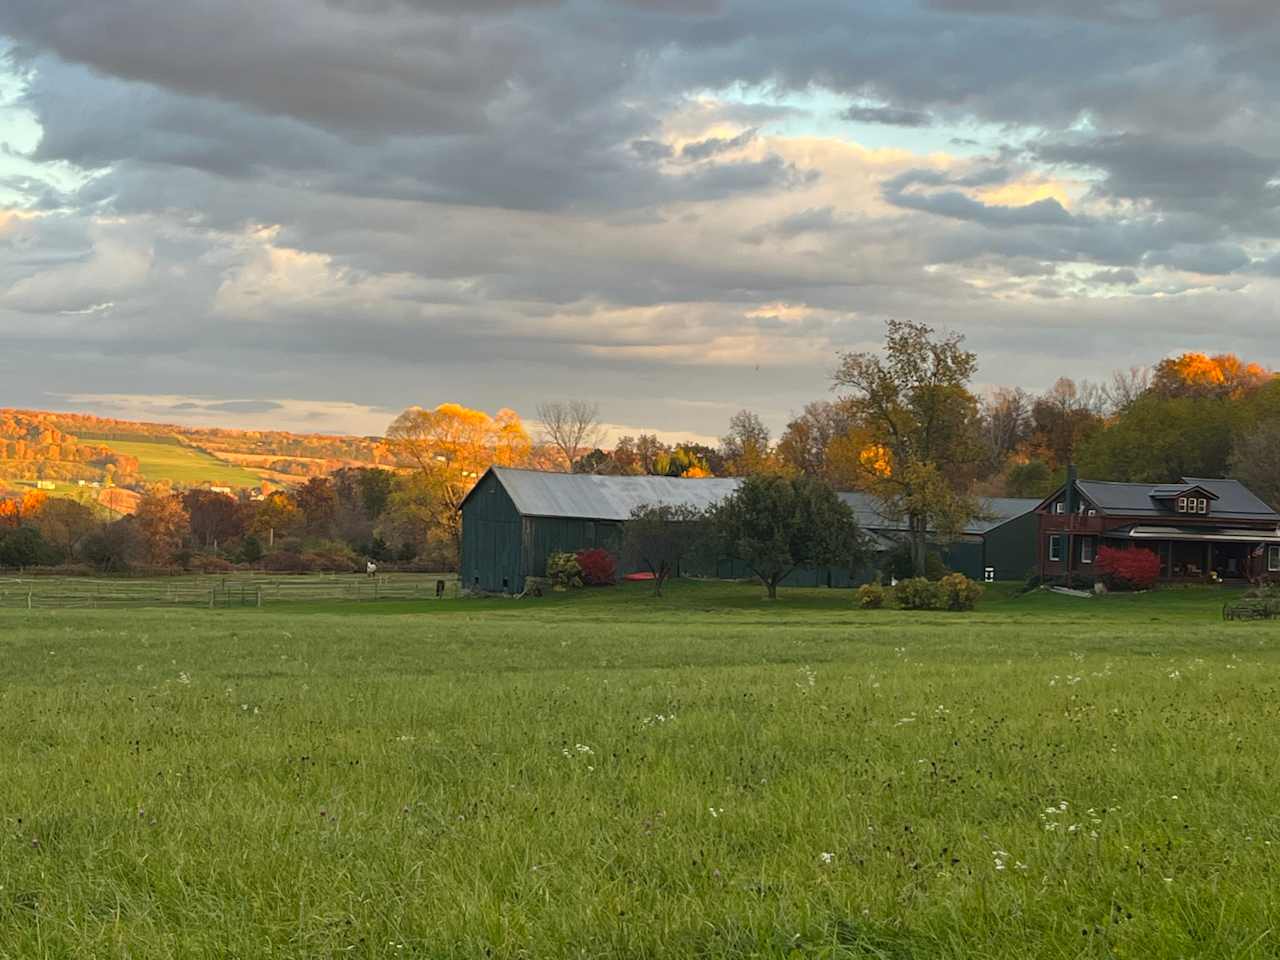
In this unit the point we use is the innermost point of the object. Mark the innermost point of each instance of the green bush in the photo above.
(917, 593)
(564, 571)
(958, 592)
(897, 565)
(871, 596)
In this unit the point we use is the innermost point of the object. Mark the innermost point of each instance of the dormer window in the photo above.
(1182, 504)
(1203, 504)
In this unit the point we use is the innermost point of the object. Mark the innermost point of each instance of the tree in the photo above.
(806, 444)
(318, 504)
(1223, 376)
(775, 524)
(21, 547)
(157, 529)
(1064, 417)
(1030, 479)
(1126, 387)
(572, 427)
(1255, 461)
(1160, 438)
(658, 536)
(64, 524)
(452, 446)
(682, 461)
(1005, 419)
(214, 517)
(916, 430)
(273, 514)
(745, 448)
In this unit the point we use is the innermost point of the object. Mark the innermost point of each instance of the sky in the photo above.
(310, 214)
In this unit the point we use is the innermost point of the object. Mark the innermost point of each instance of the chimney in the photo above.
(1070, 507)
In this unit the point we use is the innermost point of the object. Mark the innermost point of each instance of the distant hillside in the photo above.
(42, 445)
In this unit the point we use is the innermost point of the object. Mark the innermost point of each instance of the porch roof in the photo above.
(1200, 534)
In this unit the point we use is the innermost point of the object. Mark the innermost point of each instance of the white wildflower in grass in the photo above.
(184, 677)
(827, 857)
(1175, 675)
(583, 748)
(715, 812)
(1000, 856)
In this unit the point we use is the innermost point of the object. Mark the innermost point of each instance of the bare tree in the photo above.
(572, 427)
(1125, 387)
(1005, 420)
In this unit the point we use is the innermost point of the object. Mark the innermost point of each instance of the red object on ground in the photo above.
(638, 576)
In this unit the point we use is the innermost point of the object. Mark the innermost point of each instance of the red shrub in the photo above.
(1134, 569)
(598, 567)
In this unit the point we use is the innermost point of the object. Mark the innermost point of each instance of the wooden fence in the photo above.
(216, 590)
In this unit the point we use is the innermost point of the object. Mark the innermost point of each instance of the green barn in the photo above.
(514, 519)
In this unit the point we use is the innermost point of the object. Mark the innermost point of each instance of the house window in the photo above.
(1182, 504)
(1055, 549)
(1092, 512)
(1203, 505)
(1086, 550)
(1059, 507)
(1273, 559)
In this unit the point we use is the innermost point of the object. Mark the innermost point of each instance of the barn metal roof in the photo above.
(996, 510)
(585, 496)
(1234, 499)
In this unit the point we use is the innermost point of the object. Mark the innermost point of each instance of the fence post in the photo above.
(211, 598)
(28, 599)
(259, 596)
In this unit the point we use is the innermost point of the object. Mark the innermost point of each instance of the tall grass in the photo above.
(507, 780)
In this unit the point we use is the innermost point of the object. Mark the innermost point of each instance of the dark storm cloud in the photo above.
(889, 116)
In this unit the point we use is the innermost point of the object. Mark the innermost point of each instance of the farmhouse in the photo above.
(1199, 528)
(513, 519)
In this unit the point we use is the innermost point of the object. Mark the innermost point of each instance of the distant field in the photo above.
(607, 775)
(181, 464)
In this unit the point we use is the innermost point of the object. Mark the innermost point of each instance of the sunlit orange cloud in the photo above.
(1022, 192)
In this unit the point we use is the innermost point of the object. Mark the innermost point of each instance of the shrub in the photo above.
(598, 567)
(917, 593)
(285, 561)
(958, 592)
(897, 564)
(563, 571)
(1135, 569)
(207, 563)
(871, 596)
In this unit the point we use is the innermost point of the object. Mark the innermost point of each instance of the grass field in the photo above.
(606, 775)
(181, 464)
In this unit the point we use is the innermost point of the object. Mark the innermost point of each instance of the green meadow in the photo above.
(180, 464)
(606, 774)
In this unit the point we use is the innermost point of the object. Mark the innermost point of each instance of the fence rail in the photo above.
(214, 591)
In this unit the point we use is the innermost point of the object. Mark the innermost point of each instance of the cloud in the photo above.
(359, 204)
(889, 116)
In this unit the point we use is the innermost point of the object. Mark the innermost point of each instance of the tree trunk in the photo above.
(917, 527)
(771, 585)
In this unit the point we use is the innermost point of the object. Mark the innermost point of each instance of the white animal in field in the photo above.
(370, 568)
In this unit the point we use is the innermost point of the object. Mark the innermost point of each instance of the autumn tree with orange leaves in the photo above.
(1221, 376)
(451, 446)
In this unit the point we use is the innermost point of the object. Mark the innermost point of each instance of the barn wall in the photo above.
(544, 536)
(1011, 547)
(491, 539)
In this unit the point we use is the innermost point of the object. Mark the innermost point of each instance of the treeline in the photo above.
(1189, 415)
(32, 447)
(280, 443)
(329, 523)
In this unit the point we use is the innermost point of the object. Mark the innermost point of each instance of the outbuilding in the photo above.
(514, 519)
